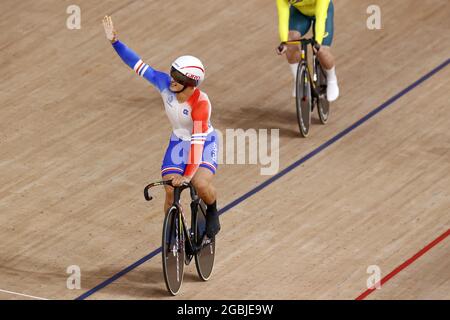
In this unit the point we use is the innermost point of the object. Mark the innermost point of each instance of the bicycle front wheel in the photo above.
(173, 253)
(204, 258)
(303, 100)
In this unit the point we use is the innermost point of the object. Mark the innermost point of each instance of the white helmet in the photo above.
(188, 71)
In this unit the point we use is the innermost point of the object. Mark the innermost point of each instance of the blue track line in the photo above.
(281, 173)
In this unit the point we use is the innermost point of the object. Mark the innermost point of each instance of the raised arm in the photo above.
(159, 79)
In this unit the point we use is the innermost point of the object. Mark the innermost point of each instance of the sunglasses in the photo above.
(181, 78)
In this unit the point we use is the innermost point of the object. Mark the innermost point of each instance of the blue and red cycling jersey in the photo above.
(193, 142)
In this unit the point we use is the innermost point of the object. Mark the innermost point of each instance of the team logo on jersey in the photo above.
(170, 99)
(186, 112)
(214, 152)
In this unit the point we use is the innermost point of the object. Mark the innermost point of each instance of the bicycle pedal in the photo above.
(207, 241)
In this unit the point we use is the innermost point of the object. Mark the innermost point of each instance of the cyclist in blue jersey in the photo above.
(191, 155)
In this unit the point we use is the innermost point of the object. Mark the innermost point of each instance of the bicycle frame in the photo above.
(176, 203)
(304, 61)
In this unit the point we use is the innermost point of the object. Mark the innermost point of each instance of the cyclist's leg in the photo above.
(293, 52)
(203, 183)
(299, 25)
(326, 57)
(174, 164)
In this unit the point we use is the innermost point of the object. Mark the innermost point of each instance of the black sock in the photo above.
(212, 208)
(212, 220)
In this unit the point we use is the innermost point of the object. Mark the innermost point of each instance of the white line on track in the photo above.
(23, 295)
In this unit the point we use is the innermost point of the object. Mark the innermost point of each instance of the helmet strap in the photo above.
(179, 91)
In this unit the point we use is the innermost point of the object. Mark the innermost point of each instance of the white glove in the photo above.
(111, 33)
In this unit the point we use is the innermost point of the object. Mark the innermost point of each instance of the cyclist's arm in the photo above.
(321, 19)
(200, 116)
(283, 19)
(159, 79)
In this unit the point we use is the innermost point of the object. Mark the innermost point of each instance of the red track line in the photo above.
(405, 264)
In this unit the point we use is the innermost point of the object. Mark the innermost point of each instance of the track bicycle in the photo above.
(180, 243)
(311, 87)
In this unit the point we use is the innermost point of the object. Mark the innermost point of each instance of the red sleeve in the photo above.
(200, 115)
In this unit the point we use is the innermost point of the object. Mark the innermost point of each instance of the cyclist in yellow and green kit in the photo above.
(295, 19)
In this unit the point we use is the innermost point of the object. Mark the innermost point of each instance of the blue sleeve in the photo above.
(159, 79)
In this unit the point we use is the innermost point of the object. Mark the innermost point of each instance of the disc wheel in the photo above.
(323, 105)
(303, 100)
(173, 255)
(204, 258)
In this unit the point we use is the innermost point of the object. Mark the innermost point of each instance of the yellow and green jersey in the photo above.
(312, 8)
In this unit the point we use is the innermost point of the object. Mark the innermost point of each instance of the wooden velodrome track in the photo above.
(80, 136)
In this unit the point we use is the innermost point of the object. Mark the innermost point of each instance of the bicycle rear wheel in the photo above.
(173, 254)
(204, 258)
(323, 105)
(303, 100)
